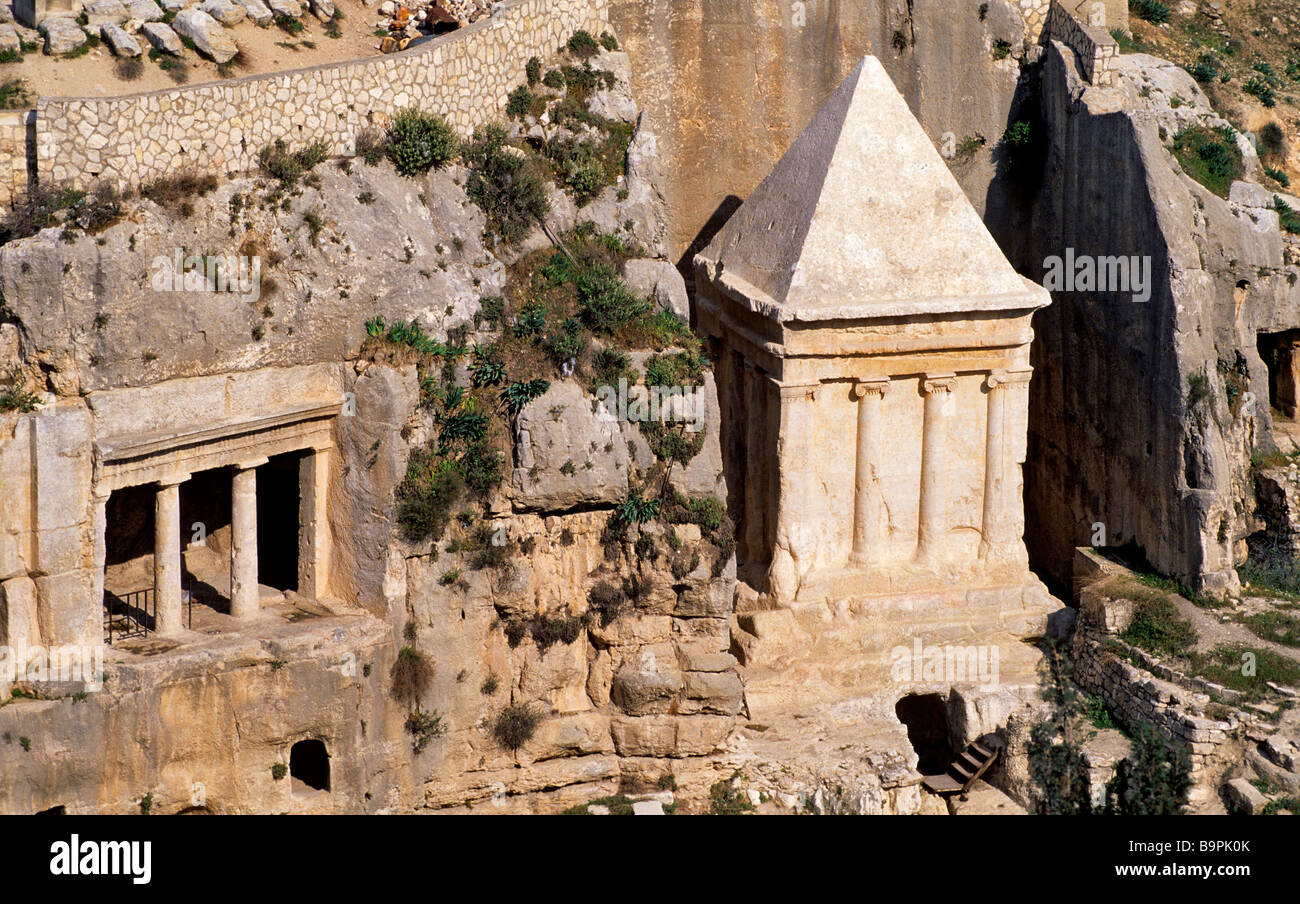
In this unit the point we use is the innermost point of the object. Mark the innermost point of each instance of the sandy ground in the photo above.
(265, 50)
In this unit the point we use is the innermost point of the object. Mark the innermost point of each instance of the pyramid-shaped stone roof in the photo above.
(863, 219)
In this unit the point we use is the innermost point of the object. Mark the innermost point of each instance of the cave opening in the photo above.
(926, 718)
(309, 765)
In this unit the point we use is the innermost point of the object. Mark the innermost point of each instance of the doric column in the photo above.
(167, 556)
(866, 488)
(313, 523)
(245, 601)
(932, 526)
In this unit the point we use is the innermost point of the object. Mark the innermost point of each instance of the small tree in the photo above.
(1153, 780)
(419, 142)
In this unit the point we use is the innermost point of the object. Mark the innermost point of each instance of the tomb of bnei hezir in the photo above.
(874, 343)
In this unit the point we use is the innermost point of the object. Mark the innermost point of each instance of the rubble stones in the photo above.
(121, 43)
(62, 35)
(163, 38)
(206, 34)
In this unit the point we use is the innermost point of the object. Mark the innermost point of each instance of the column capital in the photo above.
(249, 464)
(932, 383)
(808, 392)
(863, 388)
(1000, 377)
(171, 480)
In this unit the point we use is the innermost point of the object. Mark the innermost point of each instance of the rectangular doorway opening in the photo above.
(278, 504)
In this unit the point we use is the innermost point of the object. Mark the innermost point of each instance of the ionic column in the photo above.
(1001, 522)
(795, 491)
(994, 462)
(167, 557)
(313, 523)
(245, 601)
(932, 526)
(866, 490)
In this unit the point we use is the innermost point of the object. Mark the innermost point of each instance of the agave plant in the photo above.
(520, 393)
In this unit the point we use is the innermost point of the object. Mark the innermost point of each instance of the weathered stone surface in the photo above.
(101, 12)
(569, 454)
(258, 11)
(290, 8)
(206, 34)
(162, 37)
(648, 681)
(121, 43)
(661, 281)
(1244, 797)
(227, 12)
(143, 10)
(322, 9)
(62, 35)
(9, 39)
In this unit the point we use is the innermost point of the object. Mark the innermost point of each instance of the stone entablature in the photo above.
(220, 127)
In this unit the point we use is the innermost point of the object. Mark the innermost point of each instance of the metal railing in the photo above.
(135, 614)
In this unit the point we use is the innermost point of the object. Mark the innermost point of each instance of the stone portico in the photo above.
(877, 344)
(142, 494)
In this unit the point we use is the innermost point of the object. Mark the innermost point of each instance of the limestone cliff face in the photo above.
(616, 634)
(730, 83)
(1144, 414)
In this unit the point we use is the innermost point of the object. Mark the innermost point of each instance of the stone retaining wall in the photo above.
(1104, 665)
(220, 127)
(13, 154)
(1093, 45)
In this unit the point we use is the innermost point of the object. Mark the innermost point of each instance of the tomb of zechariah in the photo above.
(875, 343)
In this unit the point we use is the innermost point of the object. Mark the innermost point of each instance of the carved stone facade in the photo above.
(880, 342)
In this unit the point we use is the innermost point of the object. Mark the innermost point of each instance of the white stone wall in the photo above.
(220, 127)
(1093, 45)
(13, 154)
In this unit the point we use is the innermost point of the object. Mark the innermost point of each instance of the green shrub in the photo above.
(1259, 87)
(518, 394)
(608, 41)
(554, 79)
(519, 103)
(423, 727)
(411, 675)
(725, 799)
(1153, 780)
(14, 397)
(419, 142)
(286, 166)
(515, 725)
(607, 601)
(507, 186)
(279, 771)
(605, 303)
(1290, 219)
(1157, 627)
(14, 94)
(1206, 69)
(425, 498)
(1153, 11)
(1210, 156)
(582, 45)
(533, 69)
(550, 630)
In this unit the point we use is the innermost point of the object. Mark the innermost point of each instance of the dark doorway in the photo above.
(1279, 354)
(309, 763)
(277, 522)
(926, 718)
(60, 810)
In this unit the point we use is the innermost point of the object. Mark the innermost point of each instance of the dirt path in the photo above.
(268, 49)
